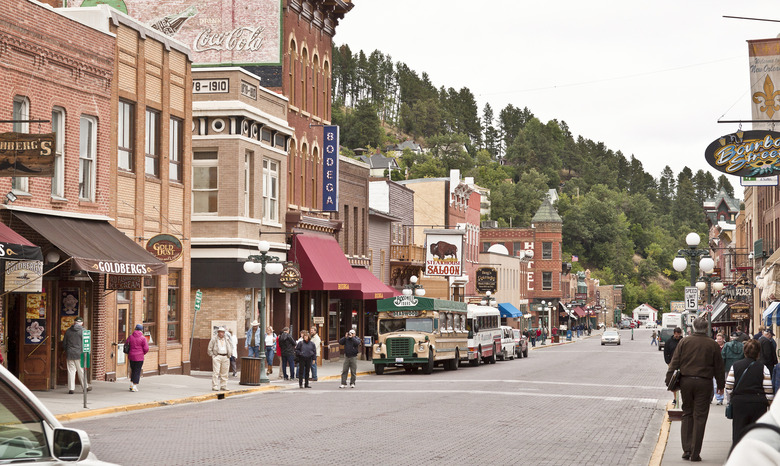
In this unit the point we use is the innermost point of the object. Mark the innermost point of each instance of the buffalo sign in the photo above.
(444, 252)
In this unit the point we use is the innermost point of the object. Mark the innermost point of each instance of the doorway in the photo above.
(122, 333)
(29, 325)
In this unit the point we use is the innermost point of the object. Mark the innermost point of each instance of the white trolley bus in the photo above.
(415, 332)
(484, 326)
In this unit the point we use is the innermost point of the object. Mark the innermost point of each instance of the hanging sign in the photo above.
(23, 154)
(330, 169)
(167, 248)
(444, 254)
(24, 276)
(487, 279)
(290, 278)
(746, 153)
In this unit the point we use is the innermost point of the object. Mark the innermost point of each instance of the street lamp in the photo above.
(488, 300)
(263, 264)
(549, 308)
(709, 283)
(680, 263)
(414, 288)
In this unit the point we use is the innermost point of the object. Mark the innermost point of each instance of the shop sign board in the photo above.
(330, 169)
(758, 180)
(30, 155)
(444, 253)
(24, 276)
(676, 306)
(487, 279)
(167, 248)
(746, 153)
(124, 282)
(290, 278)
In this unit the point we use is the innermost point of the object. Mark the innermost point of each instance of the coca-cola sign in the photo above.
(236, 32)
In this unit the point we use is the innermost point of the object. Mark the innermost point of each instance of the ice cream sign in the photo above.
(746, 153)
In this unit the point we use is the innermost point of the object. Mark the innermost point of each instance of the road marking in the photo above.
(578, 384)
(486, 392)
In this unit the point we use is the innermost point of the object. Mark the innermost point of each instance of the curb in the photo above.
(663, 439)
(190, 399)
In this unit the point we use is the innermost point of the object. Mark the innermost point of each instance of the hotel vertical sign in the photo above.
(330, 169)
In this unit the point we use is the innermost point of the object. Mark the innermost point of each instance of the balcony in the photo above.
(409, 253)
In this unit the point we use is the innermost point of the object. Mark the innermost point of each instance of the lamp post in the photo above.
(488, 300)
(549, 308)
(414, 288)
(680, 263)
(263, 264)
(709, 283)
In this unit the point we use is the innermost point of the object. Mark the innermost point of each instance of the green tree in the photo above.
(724, 183)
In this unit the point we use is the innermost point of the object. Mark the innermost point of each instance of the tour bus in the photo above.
(484, 326)
(415, 332)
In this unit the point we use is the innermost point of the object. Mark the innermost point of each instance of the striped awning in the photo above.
(771, 316)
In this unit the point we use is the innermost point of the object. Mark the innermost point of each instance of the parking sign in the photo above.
(691, 298)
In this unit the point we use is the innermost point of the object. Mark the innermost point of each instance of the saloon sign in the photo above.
(167, 248)
(444, 252)
(746, 153)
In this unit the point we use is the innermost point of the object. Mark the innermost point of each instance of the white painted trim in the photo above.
(228, 137)
(215, 108)
(57, 213)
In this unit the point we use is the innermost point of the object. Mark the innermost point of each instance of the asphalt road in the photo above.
(580, 403)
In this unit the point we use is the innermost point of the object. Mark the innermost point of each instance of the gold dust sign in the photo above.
(167, 248)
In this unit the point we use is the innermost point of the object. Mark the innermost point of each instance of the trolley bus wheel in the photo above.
(456, 361)
(379, 369)
(475, 361)
(428, 367)
(492, 358)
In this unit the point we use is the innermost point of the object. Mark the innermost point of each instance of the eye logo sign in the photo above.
(746, 153)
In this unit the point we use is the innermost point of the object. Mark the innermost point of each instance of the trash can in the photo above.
(568, 335)
(250, 371)
(556, 339)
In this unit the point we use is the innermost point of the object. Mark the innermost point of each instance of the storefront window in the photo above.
(333, 320)
(174, 306)
(150, 308)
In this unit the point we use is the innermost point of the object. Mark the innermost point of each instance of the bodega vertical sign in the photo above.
(330, 169)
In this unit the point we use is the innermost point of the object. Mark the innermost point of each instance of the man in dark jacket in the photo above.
(671, 344)
(287, 344)
(740, 336)
(306, 352)
(699, 360)
(351, 349)
(768, 353)
(72, 343)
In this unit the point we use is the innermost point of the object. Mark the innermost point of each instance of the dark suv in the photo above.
(666, 333)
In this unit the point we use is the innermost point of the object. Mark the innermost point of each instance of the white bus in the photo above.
(484, 326)
(672, 320)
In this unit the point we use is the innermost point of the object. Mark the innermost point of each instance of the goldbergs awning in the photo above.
(95, 245)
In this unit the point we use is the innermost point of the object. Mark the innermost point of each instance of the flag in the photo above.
(575, 259)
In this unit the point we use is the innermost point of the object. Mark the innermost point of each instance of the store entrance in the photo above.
(29, 338)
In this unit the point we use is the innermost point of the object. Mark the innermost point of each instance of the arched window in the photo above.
(325, 89)
(303, 161)
(290, 171)
(315, 170)
(292, 52)
(315, 79)
(304, 74)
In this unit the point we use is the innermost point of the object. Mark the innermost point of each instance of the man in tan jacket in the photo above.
(220, 349)
(699, 360)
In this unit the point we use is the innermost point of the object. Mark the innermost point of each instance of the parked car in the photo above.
(521, 344)
(665, 334)
(651, 325)
(31, 434)
(507, 350)
(625, 323)
(610, 337)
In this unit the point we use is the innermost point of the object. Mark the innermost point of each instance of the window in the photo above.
(174, 304)
(485, 246)
(152, 143)
(150, 308)
(279, 141)
(547, 281)
(125, 130)
(265, 134)
(21, 111)
(270, 190)
(87, 149)
(547, 251)
(58, 128)
(174, 150)
(204, 182)
(247, 182)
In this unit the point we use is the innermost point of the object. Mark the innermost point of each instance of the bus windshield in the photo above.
(398, 325)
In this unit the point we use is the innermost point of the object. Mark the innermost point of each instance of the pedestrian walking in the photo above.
(138, 349)
(760, 333)
(768, 352)
(654, 340)
(287, 344)
(351, 348)
(698, 359)
(671, 344)
(252, 343)
(740, 335)
(721, 343)
(534, 336)
(233, 341)
(749, 388)
(270, 349)
(315, 338)
(72, 344)
(220, 349)
(732, 352)
(305, 351)
(281, 361)
(297, 362)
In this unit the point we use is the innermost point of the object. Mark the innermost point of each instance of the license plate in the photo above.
(399, 359)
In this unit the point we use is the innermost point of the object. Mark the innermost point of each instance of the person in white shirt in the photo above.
(315, 338)
(220, 349)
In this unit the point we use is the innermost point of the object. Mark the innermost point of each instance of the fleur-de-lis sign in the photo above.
(768, 98)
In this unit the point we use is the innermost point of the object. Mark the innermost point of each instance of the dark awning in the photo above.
(95, 245)
(370, 287)
(16, 247)
(323, 264)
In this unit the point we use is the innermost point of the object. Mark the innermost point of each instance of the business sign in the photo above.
(758, 180)
(124, 282)
(211, 86)
(746, 153)
(487, 279)
(691, 298)
(290, 278)
(244, 33)
(444, 252)
(24, 276)
(677, 306)
(167, 248)
(330, 169)
(763, 57)
(23, 154)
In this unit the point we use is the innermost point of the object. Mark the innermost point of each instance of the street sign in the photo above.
(198, 299)
(86, 341)
(691, 298)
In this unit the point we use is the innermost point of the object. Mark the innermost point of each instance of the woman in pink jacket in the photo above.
(138, 348)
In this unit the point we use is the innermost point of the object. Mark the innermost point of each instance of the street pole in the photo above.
(263, 368)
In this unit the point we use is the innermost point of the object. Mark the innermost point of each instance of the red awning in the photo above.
(17, 247)
(370, 287)
(323, 264)
(579, 311)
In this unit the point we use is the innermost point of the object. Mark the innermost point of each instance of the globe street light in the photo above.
(414, 288)
(680, 263)
(263, 264)
(706, 282)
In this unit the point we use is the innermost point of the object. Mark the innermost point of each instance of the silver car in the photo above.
(29, 432)
(610, 337)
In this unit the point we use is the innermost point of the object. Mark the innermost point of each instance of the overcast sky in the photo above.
(650, 79)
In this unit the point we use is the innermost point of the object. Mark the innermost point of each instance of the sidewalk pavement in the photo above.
(171, 389)
(716, 445)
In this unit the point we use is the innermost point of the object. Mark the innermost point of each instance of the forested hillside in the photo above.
(623, 223)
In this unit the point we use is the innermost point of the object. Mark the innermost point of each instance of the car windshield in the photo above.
(21, 428)
(398, 325)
